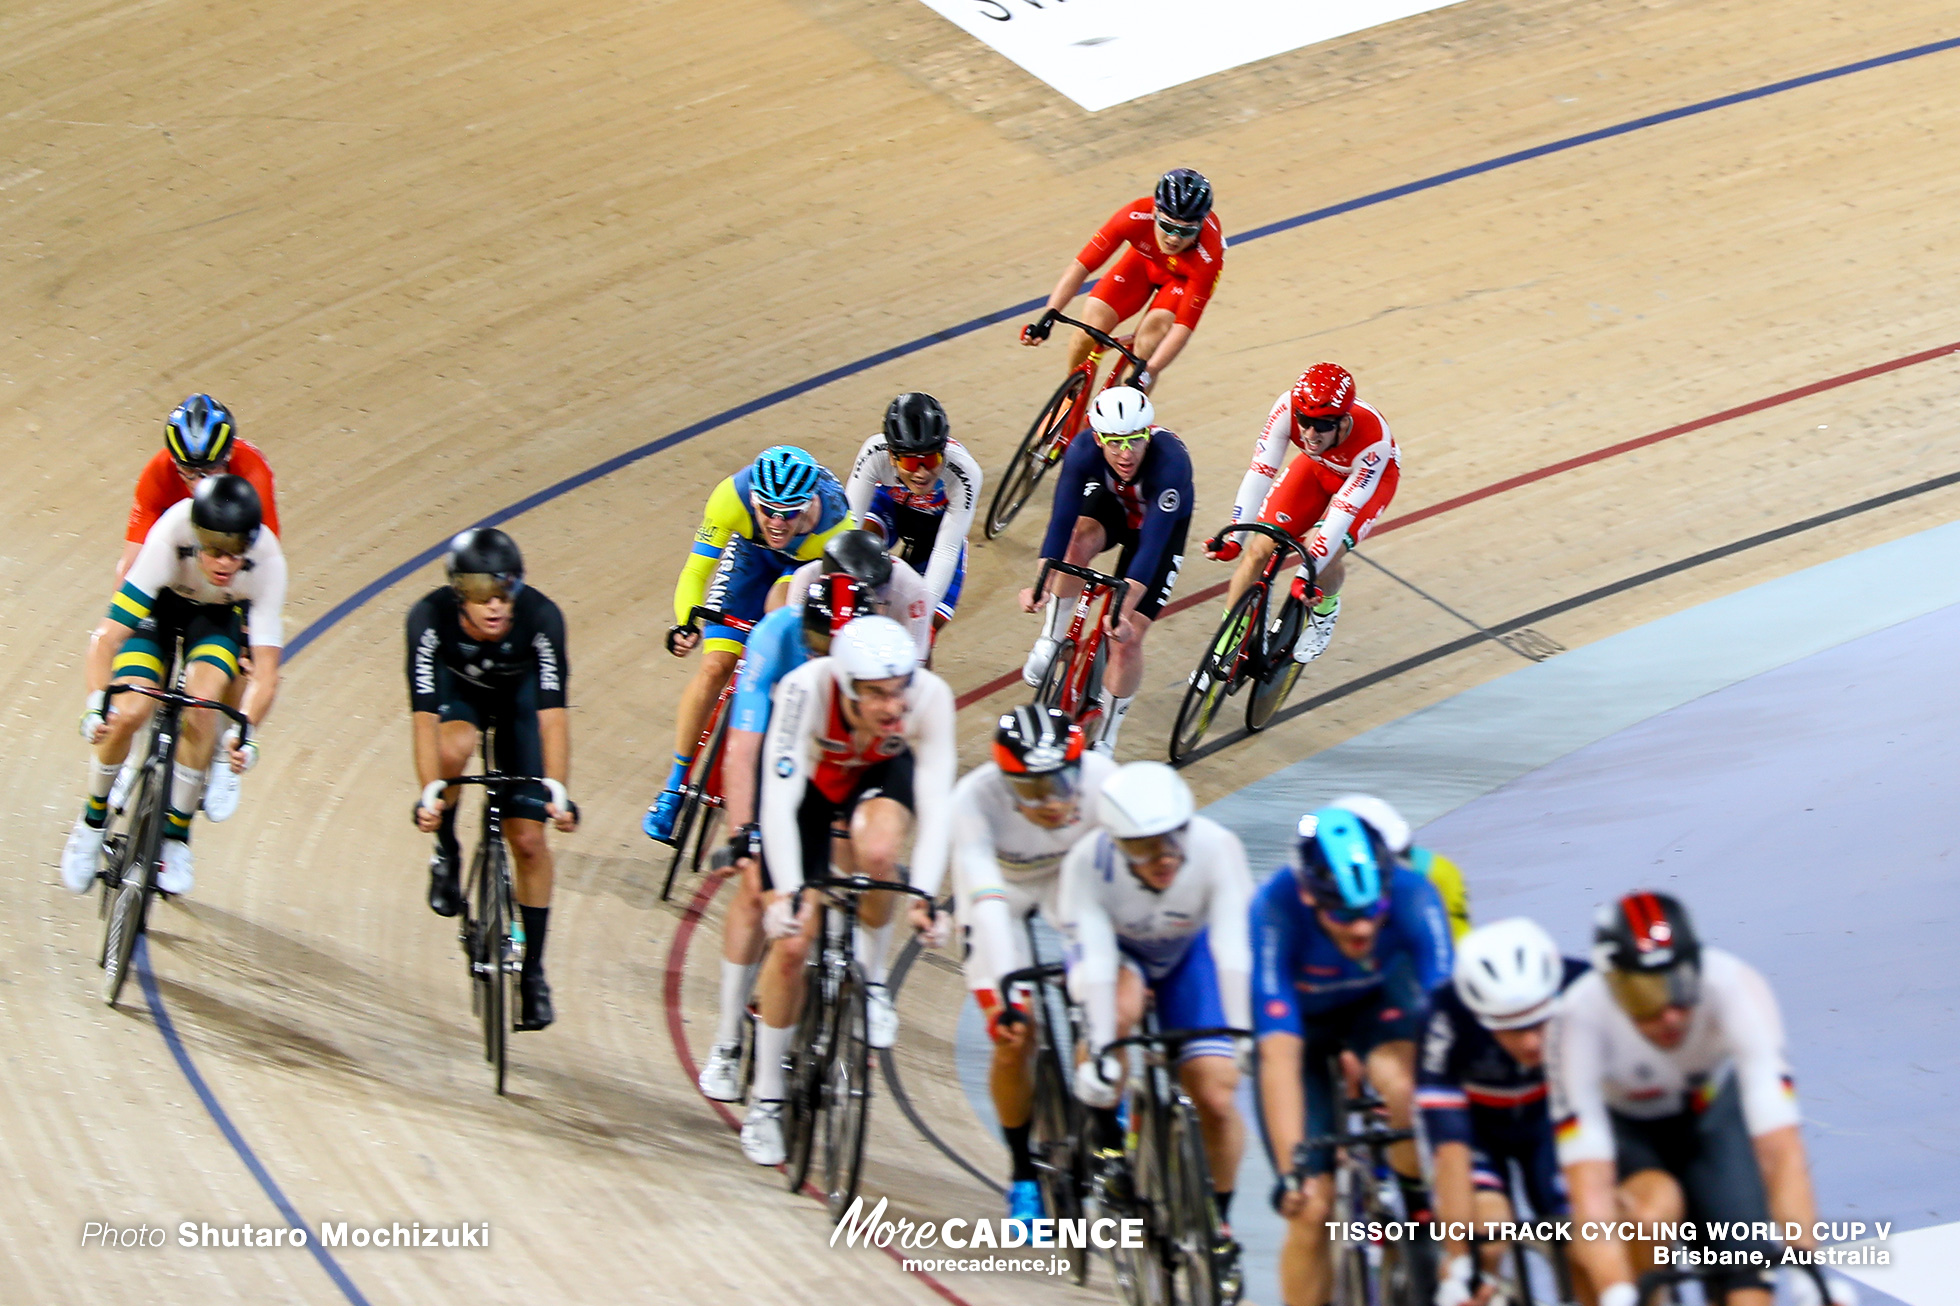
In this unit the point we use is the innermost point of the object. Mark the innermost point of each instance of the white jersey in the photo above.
(959, 486)
(904, 596)
(1358, 460)
(1005, 867)
(168, 561)
(1598, 1062)
(1108, 914)
(809, 743)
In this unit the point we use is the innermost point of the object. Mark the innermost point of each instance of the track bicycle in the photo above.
(1057, 1122)
(1515, 1284)
(701, 796)
(1074, 679)
(827, 1072)
(1253, 646)
(491, 928)
(132, 839)
(1165, 1180)
(1061, 419)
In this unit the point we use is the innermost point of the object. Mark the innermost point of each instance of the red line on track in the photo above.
(670, 991)
(999, 683)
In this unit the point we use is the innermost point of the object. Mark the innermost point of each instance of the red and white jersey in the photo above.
(904, 598)
(1599, 1064)
(809, 743)
(1351, 471)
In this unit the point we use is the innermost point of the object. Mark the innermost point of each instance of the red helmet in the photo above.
(1037, 740)
(1323, 390)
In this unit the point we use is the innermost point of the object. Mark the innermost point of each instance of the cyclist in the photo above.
(1671, 1098)
(1328, 500)
(1153, 906)
(208, 572)
(1348, 943)
(487, 650)
(200, 439)
(1480, 1083)
(1439, 870)
(1176, 252)
(1013, 819)
(864, 736)
(918, 487)
(759, 525)
(855, 577)
(1129, 490)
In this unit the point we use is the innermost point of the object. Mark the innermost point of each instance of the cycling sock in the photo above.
(1114, 710)
(446, 832)
(771, 1045)
(1017, 1152)
(1223, 1201)
(1053, 623)
(102, 777)
(1415, 1195)
(872, 946)
(536, 920)
(177, 825)
(186, 789)
(1326, 604)
(678, 776)
(735, 982)
(95, 812)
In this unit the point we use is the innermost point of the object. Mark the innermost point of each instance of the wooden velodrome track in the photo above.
(441, 256)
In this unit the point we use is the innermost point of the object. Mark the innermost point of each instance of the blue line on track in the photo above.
(353, 602)
(168, 1028)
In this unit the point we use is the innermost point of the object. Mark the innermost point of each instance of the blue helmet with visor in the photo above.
(1342, 864)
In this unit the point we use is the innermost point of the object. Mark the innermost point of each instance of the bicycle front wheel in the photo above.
(1143, 1273)
(493, 936)
(1054, 681)
(1277, 678)
(803, 1076)
(1194, 1222)
(1055, 1141)
(1041, 448)
(1213, 680)
(132, 875)
(847, 1090)
(694, 802)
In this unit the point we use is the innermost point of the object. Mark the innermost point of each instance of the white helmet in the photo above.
(1145, 798)
(871, 648)
(1121, 411)
(1508, 972)
(1385, 820)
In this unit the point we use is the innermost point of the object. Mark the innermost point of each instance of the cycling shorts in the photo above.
(740, 588)
(1709, 1152)
(1186, 997)
(1496, 1141)
(515, 745)
(1135, 281)
(210, 632)
(1300, 497)
(1100, 504)
(817, 814)
(911, 533)
(1388, 1013)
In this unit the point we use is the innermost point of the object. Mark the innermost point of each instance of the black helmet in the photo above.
(1183, 196)
(860, 555)
(483, 563)
(1646, 948)
(832, 599)
(199, 432)
(225, 513)
(1037, 739)
(915, 424)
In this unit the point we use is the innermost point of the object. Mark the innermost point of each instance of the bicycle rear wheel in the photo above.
(847, 1093)
(1212, 683)
(1142, 1273)
(1193, 1229)
(1269, 691)
(803, 1076)
(1055, 680)
(1055, 1141)
(132, 876)
(1041, 448)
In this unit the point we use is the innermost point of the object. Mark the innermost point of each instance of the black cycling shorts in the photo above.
(891, 778)
(1100, 504)
(515, 746)
(1390, 1012)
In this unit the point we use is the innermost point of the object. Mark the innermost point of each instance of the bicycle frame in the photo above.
(1079, 412)
(1376, 1270)
(701, 783)
(1075, 688)
(1256, 660)
(1058, 1121)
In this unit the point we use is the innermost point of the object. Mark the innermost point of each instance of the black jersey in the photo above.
(532, 649)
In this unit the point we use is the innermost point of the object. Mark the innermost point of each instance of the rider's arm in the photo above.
(1092, 955)
(738, 776)
(1227, 928)
(934, 766)
(1581, 1127)
(1168, 349)
(787, 771)
(555, 738)
(723, 518)
(1747, 1009)
(248, 462)
(1070, 285)
(1083, 460)
(976, 872)
(961, 477)
(1282, 1095)
(1276, 1018)
(425, 674)
(263, 685)
(870, 470)
(909, 602)
(1445, 1122)
(1268, 456)
(1167, 495)
(1417, 911)
(1364, 482)
(156, 489)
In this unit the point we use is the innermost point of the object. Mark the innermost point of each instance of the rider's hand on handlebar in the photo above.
(781, 919)
(428, 819)
(1143, 380)
(243, 757)
(1036, 332)
(1223, 550)
(95, 722)
(1030, 602)
(933, 926)
(1099, 1081)
(682, 639)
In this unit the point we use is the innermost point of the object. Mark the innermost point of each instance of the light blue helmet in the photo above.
(785, 474)
(1341, 863)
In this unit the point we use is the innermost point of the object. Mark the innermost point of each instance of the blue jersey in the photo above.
(1470, 1089)
(1155, 502)
(1297, 971)
(774, 649)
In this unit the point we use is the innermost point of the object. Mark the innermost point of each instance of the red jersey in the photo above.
(1197, 267)
(839, 760)
(160, 486)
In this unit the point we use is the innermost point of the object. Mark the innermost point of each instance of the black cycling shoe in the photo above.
(445, 883)
(534, 996)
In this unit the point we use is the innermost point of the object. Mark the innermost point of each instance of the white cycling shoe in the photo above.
(880, 1016)
(176, 877)
(1316, 634)
(220, 789)
(1039, 657)
(721, 1078)
(762, 1134)
(81, 857)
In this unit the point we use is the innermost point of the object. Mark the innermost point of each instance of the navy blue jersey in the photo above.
(1155, 502)
(1470, 1089)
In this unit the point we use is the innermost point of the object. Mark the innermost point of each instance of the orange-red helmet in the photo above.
(1036, 740)
(1324, 390)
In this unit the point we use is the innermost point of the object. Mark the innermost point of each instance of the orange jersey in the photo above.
(160, 486)
(1196, 268)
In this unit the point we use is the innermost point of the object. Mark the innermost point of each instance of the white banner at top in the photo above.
(1104, 52)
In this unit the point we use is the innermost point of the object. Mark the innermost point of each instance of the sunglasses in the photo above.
(1343, 914)
(482, 587)
(1052, 787)
(919, 462)
(1152, 848)
(780, 511)
(1319, 425)
(1178, 230)
(1123, 443)
(1644, 995)
(214, 545)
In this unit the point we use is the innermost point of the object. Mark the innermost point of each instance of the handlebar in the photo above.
(1170, 1040)
(1117, 587)
(1279, 537)
(1101, 337)
(432, 791)
(180, 700)
(713, 616)
(865, 884)
(1032, 975)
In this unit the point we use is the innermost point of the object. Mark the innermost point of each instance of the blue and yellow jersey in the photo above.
(729, 515)
(1441, 872)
